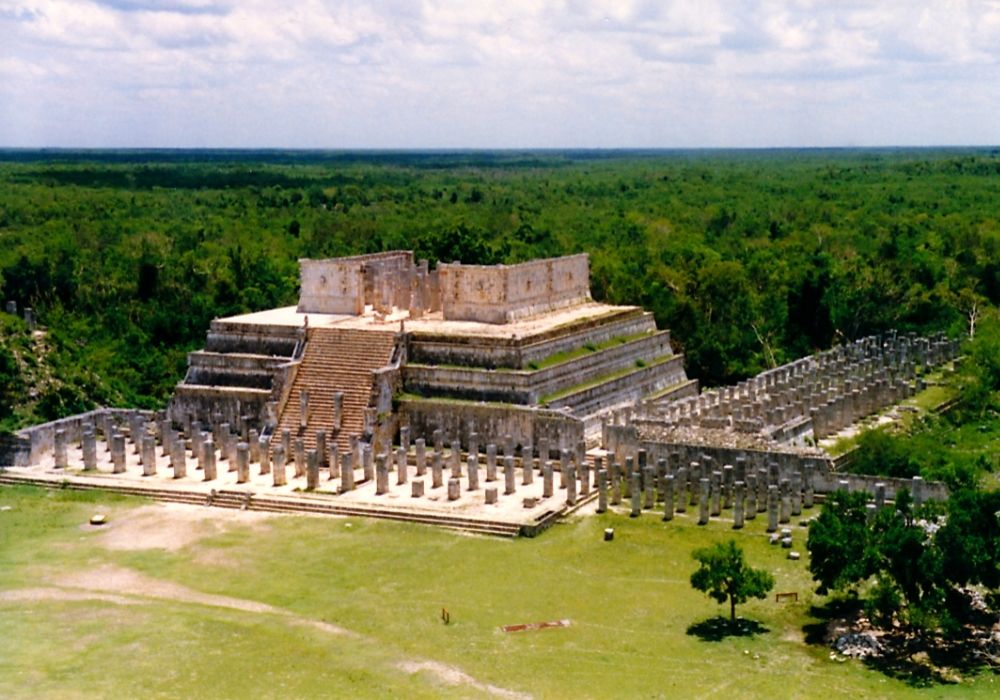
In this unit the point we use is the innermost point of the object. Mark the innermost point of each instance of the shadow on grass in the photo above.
(715, 629)
(920, 661)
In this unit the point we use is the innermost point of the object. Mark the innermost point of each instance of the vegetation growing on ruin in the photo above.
(750, 258)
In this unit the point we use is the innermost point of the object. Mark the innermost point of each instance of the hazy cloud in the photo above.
(485, 73)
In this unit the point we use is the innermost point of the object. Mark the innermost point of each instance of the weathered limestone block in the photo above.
(264, 454)
(312, 470)
(278, 473)
(437, 467)
(508, 474)
(454, 489)
(491, 495)
(455, 459)
(417, 488)
(334, 472)
(368, 461)
(322, 454)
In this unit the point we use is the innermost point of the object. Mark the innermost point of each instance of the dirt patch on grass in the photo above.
(173, 526)
(449, 675)
(34, 595)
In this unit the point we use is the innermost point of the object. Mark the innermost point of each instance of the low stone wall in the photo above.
(629, 388)
(232, 337)
(490, 422)
(505, 293)
(194, 402)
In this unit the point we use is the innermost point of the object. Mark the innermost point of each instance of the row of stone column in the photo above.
(733, 487)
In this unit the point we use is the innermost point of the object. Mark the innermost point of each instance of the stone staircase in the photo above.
(335, 359)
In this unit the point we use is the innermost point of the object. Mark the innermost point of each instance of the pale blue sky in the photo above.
(508, 74)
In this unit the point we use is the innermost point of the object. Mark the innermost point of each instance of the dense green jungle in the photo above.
(751, 258)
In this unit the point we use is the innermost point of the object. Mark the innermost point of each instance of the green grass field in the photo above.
(237, 605)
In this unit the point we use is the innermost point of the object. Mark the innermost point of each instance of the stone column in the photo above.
(636, 495)
(404, 437)
(89, 447)
(347, 472)
(148, 455)
(527, 467)
(508, 445)
(491, 462)
(571, 487)
(727, 486)
(491, 495)
(401, 467)
(300, 457)
(543, 450)
(421, 455)
(681, 480)
(436, 468)
(880, 495)
(243, 462)
(208, 458)
(178, 459)
(322, 455)
(334, 462)
(740, 488)
(602, 491)
(564, 458)
(716, 496)
(785, 503)
(437, 437)
(304, 409)
(118, 453)
(286, 445)
(454, 489)
(703, 501)
(455, 459)
(762, 485)
(474, 443)
(368, 461)
(668, 496)
(616, 484)
(649, 486)
(264, 454)
(136, 427)
(254, 441)
(694, 489)
(796, 495)
(508, 475)
(808, 496)
(772, 508)
(750, 508)
(59, 449)
(917, 484)
(338, 409)
(547, 480)
(584, 479)
(381, 476)
(473, 468)
(279, 466)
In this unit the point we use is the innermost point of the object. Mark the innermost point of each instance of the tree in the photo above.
(723, 574)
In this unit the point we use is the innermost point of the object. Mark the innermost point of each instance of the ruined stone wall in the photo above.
(332, 286)
(491, 422)
(505, 293)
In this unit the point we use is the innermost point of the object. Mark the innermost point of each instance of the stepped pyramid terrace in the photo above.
(494, 399)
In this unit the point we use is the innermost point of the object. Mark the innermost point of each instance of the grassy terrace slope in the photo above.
(168, 601)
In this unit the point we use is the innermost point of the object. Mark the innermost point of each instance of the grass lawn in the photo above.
(238, 605)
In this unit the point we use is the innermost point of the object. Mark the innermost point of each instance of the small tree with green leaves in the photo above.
(724, 574)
